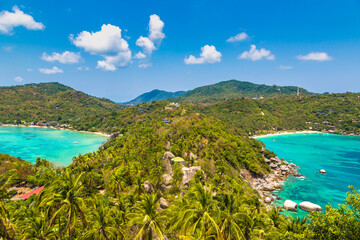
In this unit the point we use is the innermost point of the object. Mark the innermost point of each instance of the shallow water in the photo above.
(57, 146)
(338, 155)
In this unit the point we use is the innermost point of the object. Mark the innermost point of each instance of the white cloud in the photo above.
(65, 57)
(17, 18)
(29, 70)
(238, 37)
(285, 67)
(255, 54)
(144, 65)
(156, 28)
(51, 70)
(208, 55)
(140, 55)
(315, 56)
(146, 44)
(18, 79)
(107, 43)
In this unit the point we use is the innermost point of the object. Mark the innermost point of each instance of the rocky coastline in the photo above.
(266, 184)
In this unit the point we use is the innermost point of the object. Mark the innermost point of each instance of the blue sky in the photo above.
(94, 46)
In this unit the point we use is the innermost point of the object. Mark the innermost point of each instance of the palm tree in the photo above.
(199, 213)
(64, 197)
(231, 218)
(33, 224)
(145, 215)
(296, 225)
(101, 222)
(7, 230)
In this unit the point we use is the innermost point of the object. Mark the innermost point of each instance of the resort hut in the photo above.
(25, 196)
(178, 160)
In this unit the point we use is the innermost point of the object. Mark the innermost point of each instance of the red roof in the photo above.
(27, 195)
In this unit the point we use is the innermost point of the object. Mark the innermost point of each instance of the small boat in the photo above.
(75, 142)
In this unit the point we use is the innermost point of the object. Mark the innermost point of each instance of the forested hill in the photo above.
(235, 89)
(154, 95)
(50, 102)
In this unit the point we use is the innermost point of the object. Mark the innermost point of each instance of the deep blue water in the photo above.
(338, 155)
(57, 146)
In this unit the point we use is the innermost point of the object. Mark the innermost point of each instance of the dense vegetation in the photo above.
(50, 102)
(235, 89)
(154, 95)
(103, 195)
(337, 112)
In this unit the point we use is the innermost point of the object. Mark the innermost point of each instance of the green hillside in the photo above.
(337, 112)
(235, 89)
(50, 102)
(154, 95)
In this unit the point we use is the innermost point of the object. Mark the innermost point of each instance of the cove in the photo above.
(339, 155)
(58, 146)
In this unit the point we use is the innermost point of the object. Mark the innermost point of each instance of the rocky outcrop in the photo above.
(164, 203)
(149, 188)
(113, 136)
(189, 174)
(309, 206)
(167, 179)
(167, 161)
(290, 205)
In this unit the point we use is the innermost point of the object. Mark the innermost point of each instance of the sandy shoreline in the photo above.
(284, 133)
(54, 128)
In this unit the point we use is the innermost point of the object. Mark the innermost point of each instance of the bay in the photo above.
(58, 146)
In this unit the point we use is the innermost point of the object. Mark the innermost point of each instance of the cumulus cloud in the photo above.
(65, 57)
(147, 44)
(315, 56)
(140, 55)
(285, 67)
(107, 43)
(152, 42)
(156, 28)
(208, 54)
(17, 18)
(52, 70)
(238, 37)
(8, 48)
(18, 79)
(255, 54)
(29, 70)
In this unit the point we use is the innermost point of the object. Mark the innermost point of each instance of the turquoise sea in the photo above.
(57, 146)
(338, 155)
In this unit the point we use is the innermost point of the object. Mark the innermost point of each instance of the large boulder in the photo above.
(167, 179)
(267, 200)
(309, 207)
(273, 166)
(193, 156)
(189, 174)
(164, 203)
(290, 205)
(149, 188)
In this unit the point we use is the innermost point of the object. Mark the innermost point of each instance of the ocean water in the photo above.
(57, 146)
(338, 155)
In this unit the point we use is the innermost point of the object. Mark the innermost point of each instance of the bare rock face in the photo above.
(149, 188)
(167, 179)
(164, 203)
(290, 205)
(309, 206)
(167, 161)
